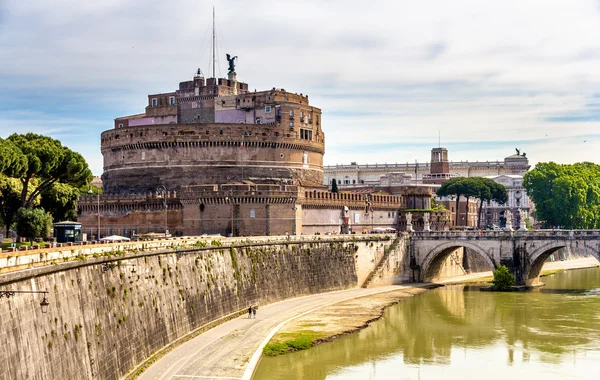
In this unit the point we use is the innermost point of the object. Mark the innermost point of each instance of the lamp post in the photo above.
(43, 305)
(162, 193)
(98, 202)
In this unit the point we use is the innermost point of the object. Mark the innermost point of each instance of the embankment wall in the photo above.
(102, 322)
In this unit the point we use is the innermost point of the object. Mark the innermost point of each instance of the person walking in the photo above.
(254, 311)
(250, 312)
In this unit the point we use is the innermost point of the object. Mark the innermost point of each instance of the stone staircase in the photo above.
(381, 263)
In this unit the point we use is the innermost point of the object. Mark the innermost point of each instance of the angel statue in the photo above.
(517, 149)
(231, 61)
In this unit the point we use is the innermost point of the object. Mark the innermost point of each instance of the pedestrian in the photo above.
(250, 312)
(254, 311)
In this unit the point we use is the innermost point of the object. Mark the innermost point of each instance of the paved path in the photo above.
(224, 352)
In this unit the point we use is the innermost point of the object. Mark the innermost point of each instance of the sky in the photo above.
(391, 77)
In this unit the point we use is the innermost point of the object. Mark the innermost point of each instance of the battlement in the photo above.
(325, 198)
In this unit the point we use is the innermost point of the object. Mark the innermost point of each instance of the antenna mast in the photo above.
(213, 43)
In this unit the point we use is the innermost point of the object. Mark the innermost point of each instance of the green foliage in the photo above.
(565, 195)
(39, 162)
(10, 201)
(12, 161)
(334, 186)
(60, 200)
(484, 189)
(301, 340)
(503, 279)
(33, 223)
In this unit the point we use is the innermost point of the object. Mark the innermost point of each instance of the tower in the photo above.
(439, 161)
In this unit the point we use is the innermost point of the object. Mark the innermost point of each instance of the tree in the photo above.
(453, 186)
(33, 223)
(334, 187)
(60, 200)
(472, 187)
(503, 279)
(565, 195)
(489, 191)
(12, 160)
(45, 160)
(10, 201)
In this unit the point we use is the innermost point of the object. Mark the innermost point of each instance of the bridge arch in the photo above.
(538, 257)
(432, 263)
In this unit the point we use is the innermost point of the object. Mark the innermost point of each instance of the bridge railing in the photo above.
(505, 234)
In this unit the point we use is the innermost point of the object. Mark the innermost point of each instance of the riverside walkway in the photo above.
(232, 350)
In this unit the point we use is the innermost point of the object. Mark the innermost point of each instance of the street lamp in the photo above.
(162, 193)
(43, 305)
(98, 199)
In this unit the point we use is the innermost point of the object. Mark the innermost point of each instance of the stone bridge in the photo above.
(523, 252)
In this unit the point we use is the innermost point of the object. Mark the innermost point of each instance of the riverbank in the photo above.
(353, 315)
(335, 320)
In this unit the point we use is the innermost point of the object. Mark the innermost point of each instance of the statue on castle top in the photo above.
(231, 61)
(517, 149)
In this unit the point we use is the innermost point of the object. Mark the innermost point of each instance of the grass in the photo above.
(289, 342)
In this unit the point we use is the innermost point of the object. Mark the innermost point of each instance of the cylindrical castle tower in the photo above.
(215, 133)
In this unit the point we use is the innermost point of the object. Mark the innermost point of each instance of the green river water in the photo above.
(459, 332)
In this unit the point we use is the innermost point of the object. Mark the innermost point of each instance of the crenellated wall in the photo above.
(102, 322)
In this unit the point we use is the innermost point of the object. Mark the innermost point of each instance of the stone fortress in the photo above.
(215, 158)
(219, 129)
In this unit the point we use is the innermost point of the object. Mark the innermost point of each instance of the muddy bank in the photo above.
(335, 320)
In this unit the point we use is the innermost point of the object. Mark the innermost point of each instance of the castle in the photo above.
(213, 157)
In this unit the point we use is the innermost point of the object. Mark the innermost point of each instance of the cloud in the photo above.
(488, 75)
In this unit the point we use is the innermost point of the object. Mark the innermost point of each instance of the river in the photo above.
(459, 332)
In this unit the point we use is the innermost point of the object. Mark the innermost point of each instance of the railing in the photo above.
(540, 234)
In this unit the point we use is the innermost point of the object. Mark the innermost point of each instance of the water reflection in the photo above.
(445, 327)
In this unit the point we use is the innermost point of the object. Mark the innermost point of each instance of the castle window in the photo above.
(306, 134)
(258, 120)
(276, 134)
(120, 125)
(353, 181)
(221, 132)
(143, 155)
(291, 113)
(291, 125)
(172, 100)
(268, 109)
(252, 213)
(154, 102)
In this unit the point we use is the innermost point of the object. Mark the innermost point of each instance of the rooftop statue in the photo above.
(231, 61)
(517, 149)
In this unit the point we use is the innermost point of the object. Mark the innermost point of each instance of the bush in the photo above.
(503, 279)
(33, 223)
